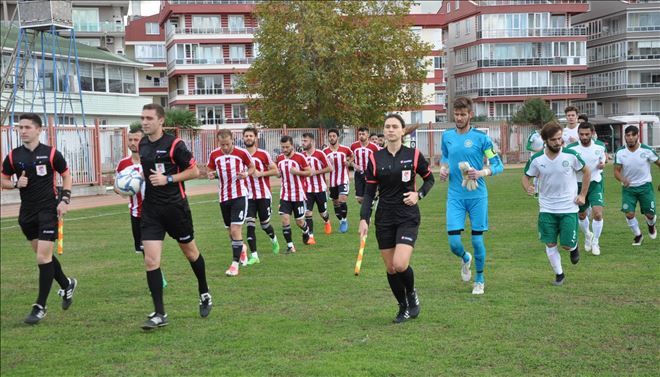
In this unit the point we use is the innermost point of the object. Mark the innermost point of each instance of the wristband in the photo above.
(170, 179)
(16, 184)
(420, 195)
(66, 200)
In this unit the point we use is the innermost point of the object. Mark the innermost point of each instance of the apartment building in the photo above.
(623, 52)
(501, 52)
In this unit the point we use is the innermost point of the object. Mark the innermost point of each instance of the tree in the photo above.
(180, 118)
(534, 111)
(137, 125)
(334, 62)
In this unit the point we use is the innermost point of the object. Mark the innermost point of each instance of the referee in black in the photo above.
(392, 171)
(167, 163)
(35, 165)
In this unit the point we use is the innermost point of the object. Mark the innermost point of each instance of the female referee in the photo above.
(393, 170)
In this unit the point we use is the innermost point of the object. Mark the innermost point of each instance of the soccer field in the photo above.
(308, 315)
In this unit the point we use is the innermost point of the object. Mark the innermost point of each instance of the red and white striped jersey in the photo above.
(293, 186)
(135, 201)
(316, 161)
(337, 159)
(227, 167)
(362, 153)
(260, 187)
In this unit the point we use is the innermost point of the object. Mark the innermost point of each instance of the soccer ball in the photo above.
(129, 181)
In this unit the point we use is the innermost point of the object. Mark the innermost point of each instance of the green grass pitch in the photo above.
(308, 315)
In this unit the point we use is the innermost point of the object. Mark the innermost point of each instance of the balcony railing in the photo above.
(643, 57)
(204, 92)
(213, 2)
(644, 28)
(546, 32)
(529, 2)
(525, 91)
(211, 30)
(610, 88)
(211, 61)
(529, 61)
(95, 27)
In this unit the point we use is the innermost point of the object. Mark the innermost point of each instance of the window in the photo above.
(94, 42)
(440, 98)
(150, 52)
(86, 82)
(152, 28)
(239, 111)
(98, 73)
(114, 79)
(236, 22)
(468, 25)
(458, 5)
(128, 80)
(615, 107)
(234, 80)
(209, 54)
(437, 62)
(86, 19)
(237, 52)
(416, 117)
(205, 23)
(211, 84)
(211, 115)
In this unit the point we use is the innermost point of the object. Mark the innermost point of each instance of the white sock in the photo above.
(652, 221)
(234, 264)
(588, 212)
(584, 225)
(634, 226)
(255, 254)
(554, 258)
(289, 244)
(597, 226)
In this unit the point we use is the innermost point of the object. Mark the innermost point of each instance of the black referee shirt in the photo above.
(39, 166)
(169, 156)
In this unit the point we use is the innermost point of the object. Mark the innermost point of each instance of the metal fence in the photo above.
(93, 152)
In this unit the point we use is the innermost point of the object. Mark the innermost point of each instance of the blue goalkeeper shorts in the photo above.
(476, 208)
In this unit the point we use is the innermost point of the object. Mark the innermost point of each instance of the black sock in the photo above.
(310, 223)
(61, 279)
(236, 248)
(304, 228)
(269, 230)
(46, 273)
(199, 268)
(155, 282)
(252, 238)
(344, 211)
(338, 211)
(397, 287)
(325, 216)
(286, 229)
(408, 279)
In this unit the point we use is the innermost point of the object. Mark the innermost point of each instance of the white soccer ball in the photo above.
(129, 181)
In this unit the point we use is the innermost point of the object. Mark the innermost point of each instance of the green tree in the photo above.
(137, 125)
(334, 62)
(534, 111)
(180, 118)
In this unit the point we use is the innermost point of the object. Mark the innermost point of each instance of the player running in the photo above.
(361, 149)
(316, 186)
(556, 169)
(340, 158)
(632, 167)
(594, 154)
(232, 165)
(293, 168)
(259, 200)
(463, 152)
(392, 171)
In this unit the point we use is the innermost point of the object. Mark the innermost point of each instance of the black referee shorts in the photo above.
(335, 191)
(234, 211)
(261, 208)
(400, 229)
(174, 219)
(320, 198)
(39, 221)
(360, 183)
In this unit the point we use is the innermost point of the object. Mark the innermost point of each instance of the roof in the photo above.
(85, 53)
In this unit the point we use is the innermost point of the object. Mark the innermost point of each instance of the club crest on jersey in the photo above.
(565, 164)
(468, 143)
(160, 167)
(643, 155)
(41, 170)
(405, 175)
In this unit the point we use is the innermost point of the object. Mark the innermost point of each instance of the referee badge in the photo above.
(405, 175)
(160, 167)
(41, 170)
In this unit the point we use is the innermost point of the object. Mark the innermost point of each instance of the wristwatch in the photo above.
(170, 179)
(16, 184)
(66, 200)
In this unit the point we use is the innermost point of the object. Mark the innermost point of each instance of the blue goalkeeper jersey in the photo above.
(474, 147)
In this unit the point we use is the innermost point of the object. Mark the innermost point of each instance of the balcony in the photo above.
(219, 61)
(615, 87)
(643, 28)
(213, 2)
(225, 32)
(485, 63)
(487, 3)
(99, 27)
(524, 91)
(204, 92)
(523, 33)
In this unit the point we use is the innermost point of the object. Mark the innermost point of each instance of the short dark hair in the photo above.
(224, 134)
(583, 116)
(586, 125)
(463, 103)
(135, 130)
(373, 134)
(363, 129)
(571, 108)
(334, 131)
(631, 130)
(286, 139)
(36, 119)
(308, 135)
(251, 129)
(397, 117)
(550, 129)
(381, 135)
(154, 106)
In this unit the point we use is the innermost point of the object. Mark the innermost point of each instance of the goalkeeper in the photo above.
(463, 152)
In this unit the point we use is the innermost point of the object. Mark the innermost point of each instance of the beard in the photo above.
(554, 149)
(248, 144)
